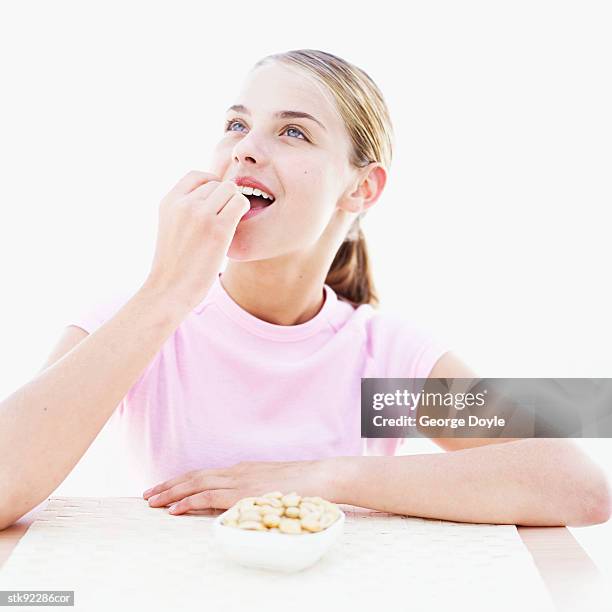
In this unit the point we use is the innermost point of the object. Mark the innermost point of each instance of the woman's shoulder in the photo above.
(405, 347)
(385, 322)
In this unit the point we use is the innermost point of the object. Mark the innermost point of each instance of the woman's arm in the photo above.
(47, 425)
(543, 481)
(538, 482)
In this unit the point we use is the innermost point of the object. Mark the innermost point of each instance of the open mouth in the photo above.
(257, 198)
(258, 201)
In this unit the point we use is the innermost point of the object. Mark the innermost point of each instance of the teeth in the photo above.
(255, 192)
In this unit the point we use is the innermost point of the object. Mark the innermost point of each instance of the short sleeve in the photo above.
(402, 348)
(94, 315)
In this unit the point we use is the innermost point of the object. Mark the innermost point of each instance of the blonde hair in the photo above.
(366, 117)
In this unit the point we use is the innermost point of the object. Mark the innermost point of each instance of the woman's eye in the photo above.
(229, 125)
(293, 129)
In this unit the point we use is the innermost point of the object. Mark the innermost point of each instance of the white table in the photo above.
(119, 552)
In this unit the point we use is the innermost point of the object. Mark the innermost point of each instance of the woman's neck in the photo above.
(278, 294)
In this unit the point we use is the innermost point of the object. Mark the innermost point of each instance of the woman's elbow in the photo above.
(597, 503)
(584, 486)
(586, 504)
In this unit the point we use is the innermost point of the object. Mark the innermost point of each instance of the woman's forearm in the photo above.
(47, 425)
(543, 482)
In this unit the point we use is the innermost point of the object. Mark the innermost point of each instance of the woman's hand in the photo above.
(221, 488)
(197, 222)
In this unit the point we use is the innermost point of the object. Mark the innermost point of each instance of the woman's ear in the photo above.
(371, 182)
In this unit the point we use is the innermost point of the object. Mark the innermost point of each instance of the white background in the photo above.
(494, 227)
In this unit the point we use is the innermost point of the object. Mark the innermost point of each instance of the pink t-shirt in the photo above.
(228, 387)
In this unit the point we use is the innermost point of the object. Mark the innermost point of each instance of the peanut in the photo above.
(291, 499)
(250, 515)
(292, 512)
(311, 523)
(269, 501)
(256, 525)
(274, 494)
(271, 520)
(290, 525)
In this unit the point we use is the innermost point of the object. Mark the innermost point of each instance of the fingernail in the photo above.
(172, 508)
(153, 499)
(147, 492)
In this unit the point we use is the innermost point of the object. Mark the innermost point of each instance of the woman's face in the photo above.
(303, 162)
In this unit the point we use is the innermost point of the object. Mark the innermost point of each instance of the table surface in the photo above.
(572, 579)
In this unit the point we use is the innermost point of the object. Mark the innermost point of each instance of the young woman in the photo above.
(233, 384)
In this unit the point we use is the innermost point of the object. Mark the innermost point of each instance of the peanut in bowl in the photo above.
(279, 532)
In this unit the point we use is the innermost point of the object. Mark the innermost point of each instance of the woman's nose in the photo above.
(249, 150)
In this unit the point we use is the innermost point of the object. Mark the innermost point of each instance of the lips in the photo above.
(249, 181)
(257, 192)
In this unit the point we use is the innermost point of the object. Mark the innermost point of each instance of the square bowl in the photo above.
(282, 552)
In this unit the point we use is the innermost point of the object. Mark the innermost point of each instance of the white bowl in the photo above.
(284, 552)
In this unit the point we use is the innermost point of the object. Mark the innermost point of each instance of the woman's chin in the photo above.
(245, 247)
(241, 248)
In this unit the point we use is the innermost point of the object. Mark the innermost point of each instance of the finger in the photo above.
(203, 191)
(224, 192)
(185, 489)
(191, 180)
(235, 208)
(215, 498)
(202, 477)
(167, 484)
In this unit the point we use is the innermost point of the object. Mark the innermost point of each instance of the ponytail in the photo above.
(350, 274)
